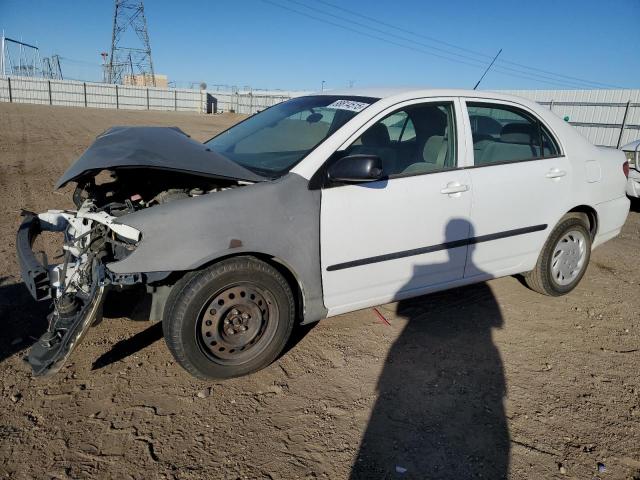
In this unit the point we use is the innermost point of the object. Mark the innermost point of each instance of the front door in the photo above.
(396, 237)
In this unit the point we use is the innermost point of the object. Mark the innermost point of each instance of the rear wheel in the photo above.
(230, 319)
(564, 257)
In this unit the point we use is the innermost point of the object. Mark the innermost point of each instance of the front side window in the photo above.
(271, 142)
(505, 134)
(414, 140)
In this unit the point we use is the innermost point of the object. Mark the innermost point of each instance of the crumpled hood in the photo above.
(154, 147)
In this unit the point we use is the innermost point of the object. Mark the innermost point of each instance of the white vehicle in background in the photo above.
(632, 151)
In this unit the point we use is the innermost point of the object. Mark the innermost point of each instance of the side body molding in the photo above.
(279, 218)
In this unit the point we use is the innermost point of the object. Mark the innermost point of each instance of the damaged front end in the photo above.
(93, 238)
(127, 169)
(78, 284)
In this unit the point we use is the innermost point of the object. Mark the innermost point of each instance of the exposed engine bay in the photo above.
(93, 239)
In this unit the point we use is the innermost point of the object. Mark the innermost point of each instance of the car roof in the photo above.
(415, 92)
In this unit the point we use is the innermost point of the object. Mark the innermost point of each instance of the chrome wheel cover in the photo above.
(568, 259)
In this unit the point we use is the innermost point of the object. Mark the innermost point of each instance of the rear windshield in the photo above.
(271, 142)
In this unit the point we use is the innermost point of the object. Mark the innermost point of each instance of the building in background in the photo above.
(146, 80)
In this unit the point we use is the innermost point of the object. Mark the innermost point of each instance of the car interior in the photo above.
(425, 142)
(514, 142)
(501, 135)
(419, 139)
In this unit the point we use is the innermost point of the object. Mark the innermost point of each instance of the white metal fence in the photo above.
(606, 117)
(101, 95)
(251, 101)
(98, 95)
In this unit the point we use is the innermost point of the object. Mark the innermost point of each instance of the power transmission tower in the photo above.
(56, 69)
(46, 68)
(130, 25)
(19, 58)
(51, 68)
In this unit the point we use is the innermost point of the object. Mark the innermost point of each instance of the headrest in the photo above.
(523, 133)
(376, 136)
(485, 125)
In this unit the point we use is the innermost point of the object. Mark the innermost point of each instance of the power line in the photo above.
(82, 62)
(573, 81)
(457, 47)
(427, 37)
(476, 63)
(483, 63)
(364, 33)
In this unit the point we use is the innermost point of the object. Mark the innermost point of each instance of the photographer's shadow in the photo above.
(23, 319)
(440, 411)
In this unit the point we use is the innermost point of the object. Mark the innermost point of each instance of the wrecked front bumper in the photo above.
(34, 274)
(75, 287)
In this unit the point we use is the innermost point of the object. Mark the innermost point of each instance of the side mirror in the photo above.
(356, 169)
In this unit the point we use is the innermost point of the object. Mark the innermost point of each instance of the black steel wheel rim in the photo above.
(237, 323)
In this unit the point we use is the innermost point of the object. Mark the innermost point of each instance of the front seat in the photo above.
(376, 141)
(435, 156)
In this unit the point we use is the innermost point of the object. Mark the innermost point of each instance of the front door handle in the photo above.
(555, 173)
(453, 188)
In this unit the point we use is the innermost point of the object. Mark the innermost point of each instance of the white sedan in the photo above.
(318, 206)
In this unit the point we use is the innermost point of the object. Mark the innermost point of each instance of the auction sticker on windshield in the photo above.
(348, 105)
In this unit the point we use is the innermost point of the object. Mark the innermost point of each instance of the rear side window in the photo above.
(549, 147)
(504, 134)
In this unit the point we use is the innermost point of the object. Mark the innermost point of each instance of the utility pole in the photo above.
(2, 68)
(104, 56)
(130, 25)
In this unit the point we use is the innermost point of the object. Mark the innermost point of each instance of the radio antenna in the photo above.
(488, 68)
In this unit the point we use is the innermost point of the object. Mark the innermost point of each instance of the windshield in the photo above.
(271, 142)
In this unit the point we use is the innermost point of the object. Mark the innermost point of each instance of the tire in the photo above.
(568, 271)
(230, 319)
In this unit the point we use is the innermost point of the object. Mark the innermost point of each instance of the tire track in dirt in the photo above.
(23, 152)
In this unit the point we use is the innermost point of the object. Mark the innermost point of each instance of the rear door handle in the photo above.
(555, 173)
(453, 188)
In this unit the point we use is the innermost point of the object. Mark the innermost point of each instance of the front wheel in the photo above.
(564, 257)
(230, 319)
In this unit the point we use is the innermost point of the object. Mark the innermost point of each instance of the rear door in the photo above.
(520, 186)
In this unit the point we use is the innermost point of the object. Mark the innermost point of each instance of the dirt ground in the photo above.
(487, 381)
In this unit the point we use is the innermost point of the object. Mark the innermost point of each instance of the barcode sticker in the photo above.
(348, 105)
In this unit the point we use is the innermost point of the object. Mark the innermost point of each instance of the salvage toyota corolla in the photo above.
(318, 206)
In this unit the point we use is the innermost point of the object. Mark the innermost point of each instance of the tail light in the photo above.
(625, 169)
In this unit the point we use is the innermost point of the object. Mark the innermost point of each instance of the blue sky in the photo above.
(261, 44)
